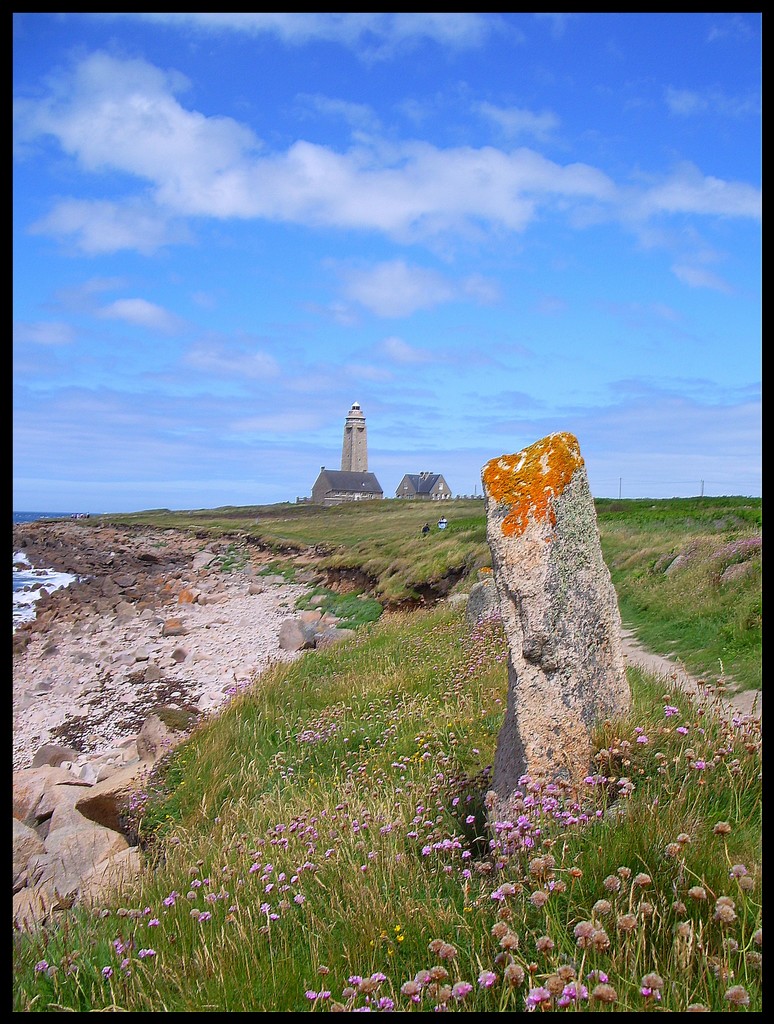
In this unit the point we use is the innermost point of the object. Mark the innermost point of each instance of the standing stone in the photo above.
(566, 668)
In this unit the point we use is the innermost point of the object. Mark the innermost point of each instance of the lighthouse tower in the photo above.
(354, 451)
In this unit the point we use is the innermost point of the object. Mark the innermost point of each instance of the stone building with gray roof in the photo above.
(427, 486)
(334, 486)
(352, 482)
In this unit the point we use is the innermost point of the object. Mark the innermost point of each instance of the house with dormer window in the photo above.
(427, 486)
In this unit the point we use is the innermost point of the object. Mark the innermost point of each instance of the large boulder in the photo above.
(106, 802)
(25, 843)
(68, 845)
(566, 668)
(37, 791)
(297, 635)
(72, 853)
(162, 731)
(483, 602)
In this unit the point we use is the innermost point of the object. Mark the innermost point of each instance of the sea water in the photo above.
(31, 582)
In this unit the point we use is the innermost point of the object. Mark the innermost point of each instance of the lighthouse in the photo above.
(354, 450)
(352, 482)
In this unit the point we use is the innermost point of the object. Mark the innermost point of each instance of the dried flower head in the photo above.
(724, 914)
(722, 828)
(514, 975)
(438, 973)
(746, 883)
(737, 996)
(604, 993)
(653, 981)
(602, 907)
(539, 898)
(641, 879)
(626, 923)
(544, 944)
(697, 892)
(554, 984)
(612, 884)
(541, 867)
(583, 931)
(499, 928)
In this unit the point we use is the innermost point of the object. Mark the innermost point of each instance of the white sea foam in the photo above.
(29, 585)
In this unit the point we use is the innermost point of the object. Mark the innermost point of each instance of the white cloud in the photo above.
(124, 115)
(101, 227)
(114, 115)
(400, 352)
(515, 121)
(45, 333)
(686, 103)
(481, 290)
(357, 115)
(221, 361)
(690, 191)
(395, 289)
(143, 314)
(377, 34)
(698, 277)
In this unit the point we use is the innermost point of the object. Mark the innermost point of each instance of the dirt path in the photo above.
(744, 702)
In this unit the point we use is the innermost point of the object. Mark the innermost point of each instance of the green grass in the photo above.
(352, 610)
(322, 844)
(697, 611)
(687, 573)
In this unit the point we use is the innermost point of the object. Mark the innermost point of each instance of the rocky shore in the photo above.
(154, 620)
(160, 629)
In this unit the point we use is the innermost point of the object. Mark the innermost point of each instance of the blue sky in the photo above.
(483, 228)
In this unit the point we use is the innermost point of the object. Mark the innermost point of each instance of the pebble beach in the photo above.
(152, 619)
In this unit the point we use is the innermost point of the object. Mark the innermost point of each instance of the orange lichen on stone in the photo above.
(528, 481)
